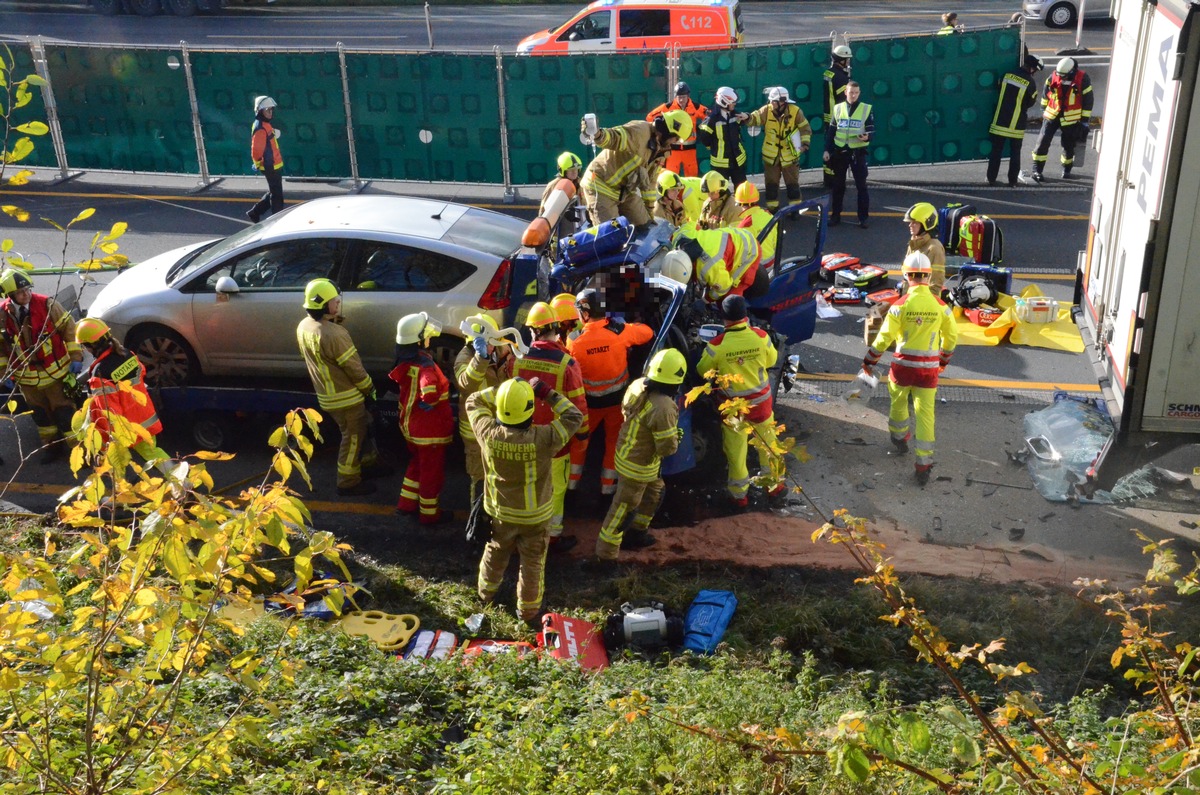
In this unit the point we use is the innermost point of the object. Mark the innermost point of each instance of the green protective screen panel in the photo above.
(546, 97)
(311, 112)
(450, 101)
(123, 109)
(43, 148)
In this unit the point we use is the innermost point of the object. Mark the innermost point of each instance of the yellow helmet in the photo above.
(319, 292)
(90, 330)
(667, 367)
(564, 308)
(478, 325)
(514, 401)
(924, 214)
(12, 280)
(746, 193)
(679, 124)
(714, 182)
(568, 161)
(540, 315)
(916, 262)
(667, 180)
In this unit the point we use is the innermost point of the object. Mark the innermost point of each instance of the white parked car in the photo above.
(1065, 13)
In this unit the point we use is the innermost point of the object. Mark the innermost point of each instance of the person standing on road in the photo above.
(720, 208)
(264, 153)
(950, 24)
(39, 352)
(836, 77)
(479, 365)
(721, 132)
(1068, 99)
(680, 199)
(517, 491)
(786, 137)
(846, 140)
(924, 332)
(602, 350)
(649, 434)
(922, 220)
(1017, 95)
(745, 351)
(425, 417)
(342, 384)
(682, 159)
(620, 179)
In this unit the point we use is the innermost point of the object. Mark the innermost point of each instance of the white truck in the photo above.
(1138, 285)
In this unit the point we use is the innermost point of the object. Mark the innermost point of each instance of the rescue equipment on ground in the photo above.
(596, 242)
(646, 627)
(999, 278)
(983, 315)
(537, 234)
(948, 220)
(388, 631)
(972, 293)
(707, 619)
(885, 297)
(477, 647)
(1037, 309)
(565, 638)
(981, 239)
(864, 277)
(430, 644)
(844, 295)
(831, 263)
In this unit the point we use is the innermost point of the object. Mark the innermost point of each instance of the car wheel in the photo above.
(181, 8)
(211, 430)
(1060, 15)
(169, 360)
(145, 8)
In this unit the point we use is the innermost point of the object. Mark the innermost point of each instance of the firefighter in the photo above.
(569, 167)
(649, 434)
(1017, 95)
(548, 360)
(682, 159)
(846, 140)
(680, 199)
(602, 350)
(721, 132)
(342, 384)
(479, 365)
(726, 261)
(924, 333)
(745, 351)
(566, 314)
(836, 77)
(755, 219)
(922, 220)
(264, 153)
(1068, 99)
(426, 419)
(517, 454)
(620, 179)
(720, 209)
(117, 383)
(38, 351)
(786, 137)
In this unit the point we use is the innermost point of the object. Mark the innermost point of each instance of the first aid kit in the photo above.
(1037, 309)
(574, 639)
(844, 295)
(883, 298)
(832, 263)
(864, 277)
(983, 315)
(596, 242)
(980, 238)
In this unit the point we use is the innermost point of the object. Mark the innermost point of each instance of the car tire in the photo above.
(168, 358)
(145, 8)
(181, 8)
(1061, 15)
(212, 430)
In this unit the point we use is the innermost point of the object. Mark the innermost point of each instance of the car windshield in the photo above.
(492, 233)
(203, 256)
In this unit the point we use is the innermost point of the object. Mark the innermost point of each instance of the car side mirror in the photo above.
(227, 286)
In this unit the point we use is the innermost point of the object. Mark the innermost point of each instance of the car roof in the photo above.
(416, 217)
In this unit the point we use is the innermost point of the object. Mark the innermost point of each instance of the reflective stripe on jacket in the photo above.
(1071, 102)
(849, 123)
(728, 265)
(756, 219)
(745, 351)
(697, 112)
(722, 212)
(624, 150)
(931, 247)
(836, 79)
(424, 404)
(471, 374)
(39, 350)
(924, 333)
(104, 378)
(603, 356)
(777, 132)
(333, 364)
(550, 362)
(723, 137)
(1016, 97)
(264, 146)
(687, 209)
(649, 434)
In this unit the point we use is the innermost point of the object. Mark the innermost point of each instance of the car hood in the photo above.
(535, 40)
(145, 278)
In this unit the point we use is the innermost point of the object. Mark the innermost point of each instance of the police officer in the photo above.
(682, 159)
(425, 417)
(342, 384)
(924, 332)
(720, 208)
(38, 350)
(480, 364)
(620, 179)
(649, 434)
(846, 140)
(517, 492)
(725, 261)
(922, 220)
(786, 137)
(755, 219)
(602, 350)
(680, 199)
(1017, 95)
(1068, 99)
(721, 132)
(836, 77)
(264, 153)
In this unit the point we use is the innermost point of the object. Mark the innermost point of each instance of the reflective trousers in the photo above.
(423, 481)
(683, 161)
(603, 208)
(474, 459)
(357, 447)
(633, 507)
(736, 444)
(856, 161)
(791, 178)
(51, 410)
(1069, 138)
(530, 542)
(560, 472)
(924, 399)
(611, 418)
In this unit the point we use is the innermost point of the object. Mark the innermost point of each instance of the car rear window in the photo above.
(492, 233)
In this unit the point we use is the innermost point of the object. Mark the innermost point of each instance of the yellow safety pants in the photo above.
(924, 399)
(635, 502)
(735, 444)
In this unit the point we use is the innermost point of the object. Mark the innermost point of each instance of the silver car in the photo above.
(229, 307)
(1065, 13)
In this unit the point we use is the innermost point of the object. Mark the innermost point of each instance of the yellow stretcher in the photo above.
(389, 632)
(1058, 335)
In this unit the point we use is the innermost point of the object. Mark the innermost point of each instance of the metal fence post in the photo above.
(510, 195)
(38, 50)
(359, 185)
(197, 128)
(672, 70)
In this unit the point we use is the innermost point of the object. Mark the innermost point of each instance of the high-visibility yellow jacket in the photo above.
(336, 370)
(924, 332)
(730, 257)
(748, 352)
(649, 434)
(687, 209)
(777, 132)
(517, 484)
(629, 157)
(471, 374)
(721, 212)
(37, 343)
(756, 219)
(847, 124)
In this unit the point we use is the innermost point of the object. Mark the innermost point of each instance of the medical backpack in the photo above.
(948, 220)
(980, 238)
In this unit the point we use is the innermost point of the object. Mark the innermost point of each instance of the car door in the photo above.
(253, 331)
(791, 299)
(590, 33)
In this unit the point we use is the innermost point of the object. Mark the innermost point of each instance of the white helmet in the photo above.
(726, 98)
(416, 328)
(677, 266)
(842, 51)
(1065, 66)
(777, 92)
(263, 103)
(916, 262)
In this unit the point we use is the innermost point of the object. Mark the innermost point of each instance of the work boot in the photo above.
(922, 474)
(901, 445)
(534, 622)
(1037, 176)
(637, 539)
(357, 490)
(863, 223)
(1067, 172)
(777, 497)
(564, 543)
(835, 221)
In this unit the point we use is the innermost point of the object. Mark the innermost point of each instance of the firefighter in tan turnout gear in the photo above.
(650, 434)
(517, 488)
(479, 365)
